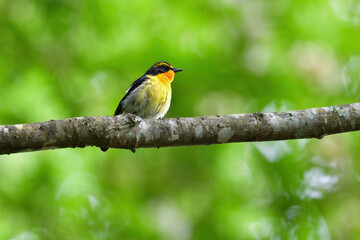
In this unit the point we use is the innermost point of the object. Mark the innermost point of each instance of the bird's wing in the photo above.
(133, 86)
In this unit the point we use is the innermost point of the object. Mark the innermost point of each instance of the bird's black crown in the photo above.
(161, 67)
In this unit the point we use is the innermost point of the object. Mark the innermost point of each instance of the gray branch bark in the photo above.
(131, 132)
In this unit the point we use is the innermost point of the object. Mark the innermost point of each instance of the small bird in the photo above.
(149, 96)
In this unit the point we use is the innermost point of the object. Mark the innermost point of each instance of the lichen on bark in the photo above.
(130, 132)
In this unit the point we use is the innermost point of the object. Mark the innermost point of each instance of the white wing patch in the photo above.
(128, 89)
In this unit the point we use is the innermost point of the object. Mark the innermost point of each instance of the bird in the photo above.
(150, 95)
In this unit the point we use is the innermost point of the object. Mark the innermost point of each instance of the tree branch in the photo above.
(131, 132)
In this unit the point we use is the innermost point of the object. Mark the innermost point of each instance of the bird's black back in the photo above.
(133, 86)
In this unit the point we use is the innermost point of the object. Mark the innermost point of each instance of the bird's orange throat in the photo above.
(167, 77)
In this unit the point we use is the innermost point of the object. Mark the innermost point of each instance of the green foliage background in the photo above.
(63, 58)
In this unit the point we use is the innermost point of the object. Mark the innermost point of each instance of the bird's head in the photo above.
(162, 67)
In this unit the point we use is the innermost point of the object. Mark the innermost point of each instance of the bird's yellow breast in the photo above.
(153, 99)
(154, 91)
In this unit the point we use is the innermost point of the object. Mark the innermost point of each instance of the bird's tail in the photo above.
(104, 149)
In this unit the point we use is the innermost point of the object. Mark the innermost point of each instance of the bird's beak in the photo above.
(177, 69)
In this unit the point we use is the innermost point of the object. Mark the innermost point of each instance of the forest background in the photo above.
(62, 59)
